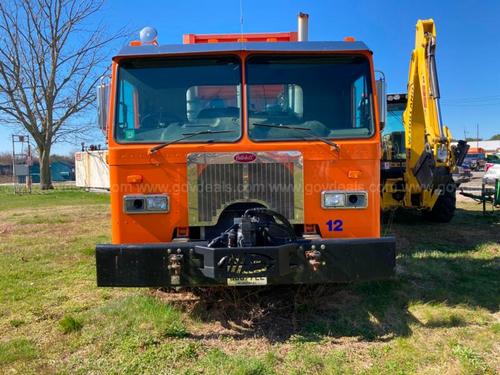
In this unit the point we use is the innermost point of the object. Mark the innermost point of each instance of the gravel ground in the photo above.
(475, 182)
(473, 186)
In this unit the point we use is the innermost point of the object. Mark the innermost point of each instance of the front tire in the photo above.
(444, 209)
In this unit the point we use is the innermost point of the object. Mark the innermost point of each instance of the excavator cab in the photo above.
(393, 138)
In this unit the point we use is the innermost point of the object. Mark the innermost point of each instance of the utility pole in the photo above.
(477, 135)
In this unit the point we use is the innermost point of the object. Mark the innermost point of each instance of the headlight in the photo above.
(332, 200)
(157, 203)
(134, 204)
(344, 199)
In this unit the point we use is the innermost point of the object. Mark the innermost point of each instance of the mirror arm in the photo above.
(382, 99)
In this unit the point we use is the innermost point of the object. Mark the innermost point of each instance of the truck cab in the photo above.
(243, 160)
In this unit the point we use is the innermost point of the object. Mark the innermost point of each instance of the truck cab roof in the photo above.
(182, 49)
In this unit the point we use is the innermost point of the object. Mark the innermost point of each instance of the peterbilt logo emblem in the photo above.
(245, 157)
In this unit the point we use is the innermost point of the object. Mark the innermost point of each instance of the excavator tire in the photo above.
(445, 206)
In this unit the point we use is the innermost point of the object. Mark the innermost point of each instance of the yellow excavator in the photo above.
(418, 158)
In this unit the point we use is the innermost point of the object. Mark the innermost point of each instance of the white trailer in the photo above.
(92, 170)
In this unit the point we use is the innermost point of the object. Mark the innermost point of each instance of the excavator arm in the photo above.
(426, 175)
(428, 141)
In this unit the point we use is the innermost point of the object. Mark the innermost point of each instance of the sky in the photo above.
(468, 42)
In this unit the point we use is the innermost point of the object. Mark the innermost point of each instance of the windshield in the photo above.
(329, 96)
(163, 100)
(393, 135)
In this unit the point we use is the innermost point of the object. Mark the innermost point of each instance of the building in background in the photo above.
(489, 147)
(61, 171)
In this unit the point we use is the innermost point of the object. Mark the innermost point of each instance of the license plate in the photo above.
(245, 281)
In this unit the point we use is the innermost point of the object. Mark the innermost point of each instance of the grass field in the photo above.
(440, 316)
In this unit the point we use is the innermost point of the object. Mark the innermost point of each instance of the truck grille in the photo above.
(217, 180)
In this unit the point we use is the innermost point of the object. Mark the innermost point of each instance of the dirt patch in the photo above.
(265, 316)
(6, 228)
(242, 321)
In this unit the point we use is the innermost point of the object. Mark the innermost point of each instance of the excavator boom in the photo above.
(426, 173)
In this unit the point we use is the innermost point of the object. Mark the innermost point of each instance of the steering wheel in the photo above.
(159, 119)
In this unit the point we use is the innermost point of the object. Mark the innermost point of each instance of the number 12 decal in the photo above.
(335, 225)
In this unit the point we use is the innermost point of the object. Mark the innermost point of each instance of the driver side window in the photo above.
(361, 103)
(127, 111)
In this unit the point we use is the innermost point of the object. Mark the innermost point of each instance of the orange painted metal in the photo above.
(291, 36)
(166, 172)
(477, 150)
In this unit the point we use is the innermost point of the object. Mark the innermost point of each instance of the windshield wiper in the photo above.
(308, 130)
(154, 149)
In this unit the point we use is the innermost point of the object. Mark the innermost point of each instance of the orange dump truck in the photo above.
(246, 159)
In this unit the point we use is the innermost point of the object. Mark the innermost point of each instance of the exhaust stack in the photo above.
(303, 27)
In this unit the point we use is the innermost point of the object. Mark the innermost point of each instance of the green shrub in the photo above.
(69, 324)
(16, 349)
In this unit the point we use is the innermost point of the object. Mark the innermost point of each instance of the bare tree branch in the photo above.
(52, 56)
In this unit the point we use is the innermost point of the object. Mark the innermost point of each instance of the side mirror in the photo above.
(103, 104)
(382, 100)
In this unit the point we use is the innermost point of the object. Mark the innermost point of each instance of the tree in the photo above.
(469, 139)
(51, 58)
(496, 137)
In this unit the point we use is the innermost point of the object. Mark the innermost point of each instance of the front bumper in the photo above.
(195, 264)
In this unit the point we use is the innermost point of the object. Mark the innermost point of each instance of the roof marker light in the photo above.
(149, 35)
